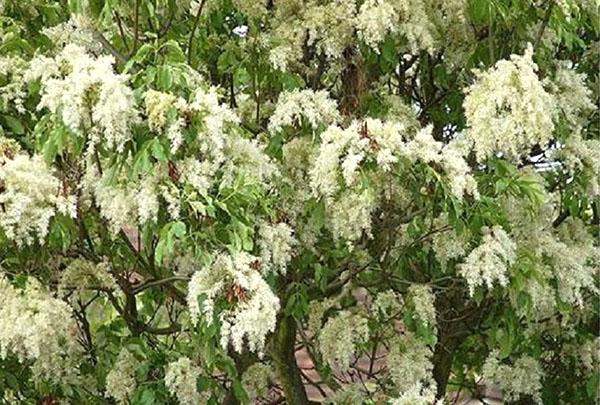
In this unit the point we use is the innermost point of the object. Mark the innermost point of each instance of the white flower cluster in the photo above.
(125, 203)
(582, 155)
(276, 243)
(447, 244)
(34, 326)
(450, 157)
(343, 153)
(13, 91)
(572, 95)
(508, 110)
(180, 379)
(246, 157)
(409, 364)
(523, 378)
(87, 94)
(256, 380)
(77, 30)
(316, 107)
(158, 106)
(120, 380)
(340, 336)
(326, 26)
(387, 305)
(423, 302)
(376, 18)
(30, 196)
(412, 18)
(417, 395)
(489, 262)
(235, 278)
(573, 260)
(82, 274)
(350, 215)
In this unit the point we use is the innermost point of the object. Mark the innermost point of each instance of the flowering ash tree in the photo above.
(290, 201)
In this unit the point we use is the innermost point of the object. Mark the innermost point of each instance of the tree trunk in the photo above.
(442, 361)
(284, 360)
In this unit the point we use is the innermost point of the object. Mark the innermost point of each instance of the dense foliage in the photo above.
(405, 194)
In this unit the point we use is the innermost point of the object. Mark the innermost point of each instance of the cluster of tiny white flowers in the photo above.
(31, 196)
(326, 26)
(254, 314)
(34, 326)
(523, 378)
(316, 312)
(489, 262)
(13, 68)
(508, 110)
(339, 337)
(77, 30)
(126, 203)
(316, 107)
(447, 244)
(85, 91)
(572, 95)
(573, 260)
(589, 354)
(180, 379)
(330, 26)
(376, 18)
(350, 215)
(583, 155)
(417, 395)
(120, 380)
(276, 243)
(246, 157)
(387, 304)
(343, 151)
(423, 301)
(158, 106)
(409, 363)
(256, 380)
(346, 149)
(81, 274)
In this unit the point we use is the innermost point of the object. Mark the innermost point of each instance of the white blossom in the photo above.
(256, 307)
(35, 326)
(87, 93)
(31, 196)
(423, 301)
(120, 380)
(180, 379)
(276, 243)
(489, 262)
(316, 107)
(523, 378)
(508, 110)
(340, 336)
(409, 363)
(256, 380)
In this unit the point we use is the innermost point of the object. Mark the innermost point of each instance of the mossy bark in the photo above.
(283, 348)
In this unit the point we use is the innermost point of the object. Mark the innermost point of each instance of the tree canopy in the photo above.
(288, 201)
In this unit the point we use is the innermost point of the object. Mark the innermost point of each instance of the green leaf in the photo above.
(14, 124)
(164, 78)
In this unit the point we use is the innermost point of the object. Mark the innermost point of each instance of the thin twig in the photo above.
(194, 28)
(545, 22)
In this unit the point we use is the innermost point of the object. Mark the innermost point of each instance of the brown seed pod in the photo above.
(173, 172)
(236, 293)
(256, 265)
